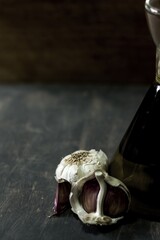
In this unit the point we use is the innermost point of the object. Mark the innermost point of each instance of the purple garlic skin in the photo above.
(84, 185)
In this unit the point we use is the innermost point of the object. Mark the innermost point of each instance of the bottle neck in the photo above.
(158, 64)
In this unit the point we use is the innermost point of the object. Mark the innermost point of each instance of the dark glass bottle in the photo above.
(137, 159)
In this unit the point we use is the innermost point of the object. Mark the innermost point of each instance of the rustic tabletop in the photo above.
(40, 124)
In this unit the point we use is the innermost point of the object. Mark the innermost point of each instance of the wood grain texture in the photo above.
(68, 41)
(38, 126)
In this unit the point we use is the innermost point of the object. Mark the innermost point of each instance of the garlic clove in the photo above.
(116, 202)
(61, 200)
(88, 196)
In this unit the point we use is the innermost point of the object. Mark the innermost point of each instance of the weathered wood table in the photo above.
(40, 124)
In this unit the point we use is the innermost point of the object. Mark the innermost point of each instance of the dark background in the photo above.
(75, 41)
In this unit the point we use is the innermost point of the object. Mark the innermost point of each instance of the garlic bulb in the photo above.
(85, 186)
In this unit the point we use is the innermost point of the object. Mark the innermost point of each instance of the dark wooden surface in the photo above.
(39, 125)
(54, 41)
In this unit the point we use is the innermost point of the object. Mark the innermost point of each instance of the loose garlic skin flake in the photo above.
(90, 203)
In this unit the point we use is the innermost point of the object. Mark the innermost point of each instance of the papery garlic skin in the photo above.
(79, 164)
